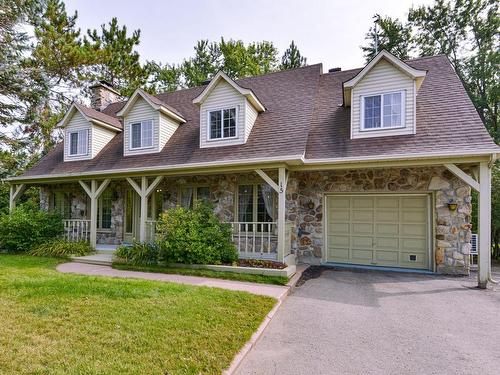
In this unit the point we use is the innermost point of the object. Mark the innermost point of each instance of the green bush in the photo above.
(194, 237)
(138, 253)
(26, 228)
(61, 248)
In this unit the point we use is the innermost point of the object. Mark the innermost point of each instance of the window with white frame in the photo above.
(256, 203)
(383, 111)
(78, 142)
(190, 195)
(104, 207)
(141, 134)
(222, 123)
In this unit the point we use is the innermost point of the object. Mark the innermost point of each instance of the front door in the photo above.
(132, 207)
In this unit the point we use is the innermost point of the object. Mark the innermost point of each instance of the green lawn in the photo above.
(263, 279)
(52, 323)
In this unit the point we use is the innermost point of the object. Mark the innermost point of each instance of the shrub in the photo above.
(194, 237)
(138, 253)
(26, 228)
(61, 248)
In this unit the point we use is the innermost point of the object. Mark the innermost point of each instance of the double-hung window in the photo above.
(222, 123)
(104, 207)
(141, 134)
(383, 111)
(78, 142)
(190, 195)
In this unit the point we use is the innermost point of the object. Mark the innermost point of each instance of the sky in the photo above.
(330, 32)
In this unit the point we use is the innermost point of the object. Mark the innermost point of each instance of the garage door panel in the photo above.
(414, 230)
(362, 242)
(391, 216)
(358, 215)
(414, 216)
(387, 242)
(387, 230)
(361, 256)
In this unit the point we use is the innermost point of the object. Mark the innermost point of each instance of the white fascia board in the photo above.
(412, 72)
(104, 125)
(243, 91)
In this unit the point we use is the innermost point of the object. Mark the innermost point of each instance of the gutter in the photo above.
(298, 159)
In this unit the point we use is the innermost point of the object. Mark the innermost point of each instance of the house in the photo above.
(370, 166)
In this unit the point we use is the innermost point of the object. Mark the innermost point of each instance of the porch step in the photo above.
(105, 249)
(97, 259)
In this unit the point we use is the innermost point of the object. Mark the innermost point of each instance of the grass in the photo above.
(262, 279)
(53, 323)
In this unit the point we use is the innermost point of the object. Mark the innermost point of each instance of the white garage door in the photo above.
(381, 230)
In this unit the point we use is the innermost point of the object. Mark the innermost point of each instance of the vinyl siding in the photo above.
(250, 117)
(100, 138)
(167, 128)
(141, 111)
(77, 122)
(384, 77)
(223, 96)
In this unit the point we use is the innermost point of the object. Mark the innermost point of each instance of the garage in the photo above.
(379, 230)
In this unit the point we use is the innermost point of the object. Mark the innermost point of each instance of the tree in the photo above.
(114, 58)
(292, 58)
(389, 34)
(204, 64)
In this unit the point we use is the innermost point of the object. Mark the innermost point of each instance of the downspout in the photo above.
(490, 278)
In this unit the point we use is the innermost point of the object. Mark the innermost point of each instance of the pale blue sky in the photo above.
(325, 31)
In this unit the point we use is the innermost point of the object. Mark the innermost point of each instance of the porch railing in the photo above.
(256, 239)
(76, 229)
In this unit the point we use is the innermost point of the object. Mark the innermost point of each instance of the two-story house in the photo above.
(371, 167)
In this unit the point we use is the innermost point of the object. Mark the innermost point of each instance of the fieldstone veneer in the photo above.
(452, 231)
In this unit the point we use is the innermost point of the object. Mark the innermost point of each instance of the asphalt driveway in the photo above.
(362, 322)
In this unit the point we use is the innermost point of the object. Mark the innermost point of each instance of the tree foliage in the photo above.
(389, 34)
(292, 58)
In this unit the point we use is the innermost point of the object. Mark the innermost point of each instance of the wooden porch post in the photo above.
(282, 182)
(484, 223)
(15, 192)
(144, 191)
(94, 192)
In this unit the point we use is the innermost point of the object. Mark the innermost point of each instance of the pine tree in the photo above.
(292, 58)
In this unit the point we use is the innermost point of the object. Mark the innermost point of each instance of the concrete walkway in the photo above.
(275, 291)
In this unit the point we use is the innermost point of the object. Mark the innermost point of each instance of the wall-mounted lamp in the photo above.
(310, 204)
(452, 205)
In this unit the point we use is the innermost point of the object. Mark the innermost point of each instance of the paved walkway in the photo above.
(275, 291)
(361, 322)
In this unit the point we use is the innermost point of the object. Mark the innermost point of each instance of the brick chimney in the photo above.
(103, 94)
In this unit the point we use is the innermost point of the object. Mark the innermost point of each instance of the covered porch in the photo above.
(109, 212)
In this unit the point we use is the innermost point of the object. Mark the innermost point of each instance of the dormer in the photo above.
(86, 132)
(227, 112)
(148, 123)
(382, 97)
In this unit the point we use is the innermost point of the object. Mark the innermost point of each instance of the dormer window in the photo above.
(222, 123)
(78, 141)
(382, 111)
(141, 134)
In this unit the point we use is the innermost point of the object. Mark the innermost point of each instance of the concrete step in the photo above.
(97, 259)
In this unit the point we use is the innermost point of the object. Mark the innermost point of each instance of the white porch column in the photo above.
(144, 191)
(282, 182)
(94, 192)
(484, 224)
(15, 192)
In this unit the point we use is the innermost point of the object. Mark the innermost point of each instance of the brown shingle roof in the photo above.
(304, 118)
(100, 116)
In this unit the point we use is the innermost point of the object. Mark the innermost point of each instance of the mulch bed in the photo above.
(260, 263)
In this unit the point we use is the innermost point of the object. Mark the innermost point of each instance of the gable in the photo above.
(75, 123)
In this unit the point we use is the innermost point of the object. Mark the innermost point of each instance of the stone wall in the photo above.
(453, 229)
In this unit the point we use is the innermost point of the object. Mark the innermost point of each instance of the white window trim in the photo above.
(130, 135)
(209, 138)
(381, 94)
(78, 143)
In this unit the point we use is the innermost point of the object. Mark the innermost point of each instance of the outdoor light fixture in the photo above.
(452, 205)
(310, 204)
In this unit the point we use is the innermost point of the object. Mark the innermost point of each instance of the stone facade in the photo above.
(305, 200)
(304, 205)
